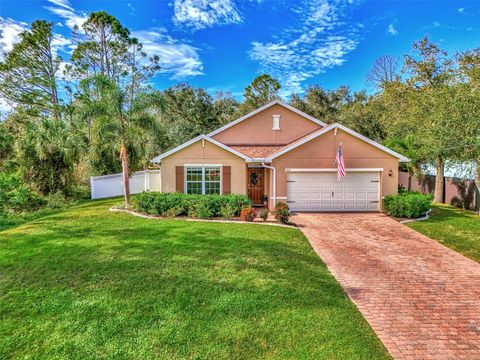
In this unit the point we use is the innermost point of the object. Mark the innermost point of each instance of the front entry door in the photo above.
(256, 185)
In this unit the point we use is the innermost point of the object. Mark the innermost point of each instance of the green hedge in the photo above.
(179, 204)
(407, 204)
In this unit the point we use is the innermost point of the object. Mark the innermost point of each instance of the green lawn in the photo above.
(86, 283)
(453, 227)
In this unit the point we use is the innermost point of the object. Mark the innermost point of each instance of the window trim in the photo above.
(202, 166)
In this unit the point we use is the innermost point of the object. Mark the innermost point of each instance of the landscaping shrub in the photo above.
(16, 197)
(407, 204)
(264, 214)
(282, 212)
(201, 206)
(227, 211)
(238, 202)
(248, 214)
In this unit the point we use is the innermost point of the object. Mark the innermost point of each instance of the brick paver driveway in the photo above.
(422, 299)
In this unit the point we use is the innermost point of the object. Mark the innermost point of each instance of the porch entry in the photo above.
(256, 185)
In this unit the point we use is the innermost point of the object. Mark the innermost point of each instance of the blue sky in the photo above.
(224, 44)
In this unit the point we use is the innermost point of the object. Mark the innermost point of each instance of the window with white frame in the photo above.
(203, 179)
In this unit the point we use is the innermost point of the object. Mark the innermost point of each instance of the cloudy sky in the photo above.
(224, 44)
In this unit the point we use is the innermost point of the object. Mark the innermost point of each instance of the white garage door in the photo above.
(321, 191)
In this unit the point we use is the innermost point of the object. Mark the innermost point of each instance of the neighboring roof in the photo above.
(274, 102)
(320, 132)
(257, 151)
(194, 140)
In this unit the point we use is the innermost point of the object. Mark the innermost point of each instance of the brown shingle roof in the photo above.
(265, 150)
(257, 151)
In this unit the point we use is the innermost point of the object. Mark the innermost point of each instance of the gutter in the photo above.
(274, 182)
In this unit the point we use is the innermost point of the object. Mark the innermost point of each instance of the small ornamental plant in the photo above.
(282, 213)
(264, 214)
(248, 214)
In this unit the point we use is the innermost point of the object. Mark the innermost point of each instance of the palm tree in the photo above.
(48, 153)
(120, 121)
(408, 147)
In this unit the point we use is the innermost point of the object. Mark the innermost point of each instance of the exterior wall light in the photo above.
(390, 173)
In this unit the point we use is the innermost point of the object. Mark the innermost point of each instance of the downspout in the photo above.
(274, 171)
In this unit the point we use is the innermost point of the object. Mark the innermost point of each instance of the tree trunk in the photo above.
(477, 184)
(439, 180)
(409, 182)
(126, 179)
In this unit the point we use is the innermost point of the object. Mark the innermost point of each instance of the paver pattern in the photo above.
(421, 298)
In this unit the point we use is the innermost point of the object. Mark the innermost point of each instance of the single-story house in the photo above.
(279, 153)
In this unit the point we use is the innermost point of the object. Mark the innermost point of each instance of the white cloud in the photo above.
(201, 14)
(461, 10)
(319, 40)
(9, 34)
(4, 107)
(391, 30)
(63, 9)
(177, 59)
(436, 24)
(62, 3)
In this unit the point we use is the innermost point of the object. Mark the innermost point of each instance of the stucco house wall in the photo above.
(321, 152)
(258, 128)
(204, 152)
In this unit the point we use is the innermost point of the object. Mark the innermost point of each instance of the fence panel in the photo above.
(458, 192)
(112, 185)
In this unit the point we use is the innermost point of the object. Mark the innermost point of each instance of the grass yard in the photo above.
(86, 283)
(455, 228)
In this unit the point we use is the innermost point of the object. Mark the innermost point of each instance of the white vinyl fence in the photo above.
(112, 185)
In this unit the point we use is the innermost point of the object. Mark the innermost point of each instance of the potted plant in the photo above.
(265, 200)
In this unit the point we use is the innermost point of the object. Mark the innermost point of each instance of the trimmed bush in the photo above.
(227, 211)
(282, 212)
(248, 214)
(201, 206)
(407, 204)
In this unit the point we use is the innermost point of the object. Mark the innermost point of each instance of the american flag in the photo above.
(340, 163)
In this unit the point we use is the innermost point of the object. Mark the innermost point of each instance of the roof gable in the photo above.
(318, 133)
(270, 104)
(194, 140)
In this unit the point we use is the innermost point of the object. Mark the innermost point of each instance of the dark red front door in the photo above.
(255, 185)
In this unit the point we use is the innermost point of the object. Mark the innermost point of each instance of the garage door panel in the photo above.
(350, 195)
(322, 191)
(372, 196)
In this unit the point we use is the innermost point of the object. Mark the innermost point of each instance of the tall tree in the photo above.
(105, 48)
(469, 72)
(430, 75)
(225, 107)
(320, 103)
(384, 70)
(363, 114)
(189, 112)
(262, 90)
(28, 73)
(101, 48)
(120, 123)
(409, 147)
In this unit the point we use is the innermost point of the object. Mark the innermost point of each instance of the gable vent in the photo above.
(276, 122)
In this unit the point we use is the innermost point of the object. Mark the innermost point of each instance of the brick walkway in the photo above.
(422, 299)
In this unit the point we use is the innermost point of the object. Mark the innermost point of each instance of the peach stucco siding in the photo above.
(258, 128)
(320, 153)
(204, 152)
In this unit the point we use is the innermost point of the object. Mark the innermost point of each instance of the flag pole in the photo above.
(334, 145)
